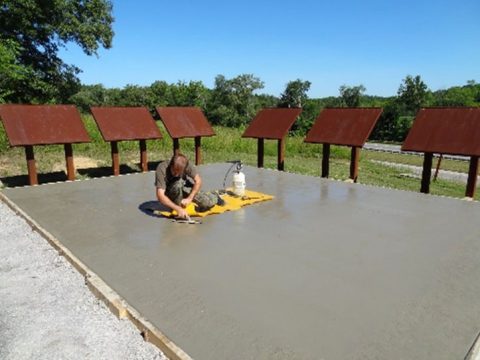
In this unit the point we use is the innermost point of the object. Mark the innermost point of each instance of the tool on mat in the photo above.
(188, 220)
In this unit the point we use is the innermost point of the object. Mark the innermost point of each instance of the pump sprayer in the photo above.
(238, 181)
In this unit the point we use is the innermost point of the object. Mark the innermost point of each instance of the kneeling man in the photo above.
(178, 184)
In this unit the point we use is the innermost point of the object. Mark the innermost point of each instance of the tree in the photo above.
(134, 95)
(467, 95)
(351, 95)
(310, 110)
(161, 93)
(389, 126)
(10, 71)
(453, 97)
(412, 94)
(89, 95)
(37, 29)
(192, 94)
(265, 100)
(233, 102)
(295, 94)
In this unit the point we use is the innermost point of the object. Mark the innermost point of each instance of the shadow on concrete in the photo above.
(106, 171)
(22, 180)
(93, 172)
(151, 207)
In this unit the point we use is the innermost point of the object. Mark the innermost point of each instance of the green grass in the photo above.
(227, 145)
(417, 160)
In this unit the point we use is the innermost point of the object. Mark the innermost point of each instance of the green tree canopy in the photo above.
(10, 71)
(89, 95)
(468, 95)
(295, 94)
(412, 94)
(232, 101)
(351, 95)
(193, 93)
(36, 29)
(398, 113)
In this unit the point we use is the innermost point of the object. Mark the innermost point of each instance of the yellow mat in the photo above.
(231, 203)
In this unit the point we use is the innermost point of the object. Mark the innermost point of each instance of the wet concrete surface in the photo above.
(326, 270)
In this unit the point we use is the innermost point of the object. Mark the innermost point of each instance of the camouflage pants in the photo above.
(180, 189)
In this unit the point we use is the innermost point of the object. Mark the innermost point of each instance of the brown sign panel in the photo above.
(183, 122)
(43, 124)
(344, 126)
(453, 131)
(272, 123)
(125, 123)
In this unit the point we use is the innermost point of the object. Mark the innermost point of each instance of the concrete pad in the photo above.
(326, 270)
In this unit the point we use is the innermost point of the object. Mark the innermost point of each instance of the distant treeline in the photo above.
(234, 102)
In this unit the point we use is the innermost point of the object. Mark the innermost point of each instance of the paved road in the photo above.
(397, 149)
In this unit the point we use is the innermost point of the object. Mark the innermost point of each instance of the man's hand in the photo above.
(182, 213)
(184, 203)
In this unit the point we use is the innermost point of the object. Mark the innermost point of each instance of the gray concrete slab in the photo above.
(326, 270)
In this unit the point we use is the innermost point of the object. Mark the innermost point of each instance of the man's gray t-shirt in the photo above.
(163, 176)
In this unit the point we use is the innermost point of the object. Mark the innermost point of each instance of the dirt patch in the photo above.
(8, 167)
(80, 162)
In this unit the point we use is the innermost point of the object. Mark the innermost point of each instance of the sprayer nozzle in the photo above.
(239, 165)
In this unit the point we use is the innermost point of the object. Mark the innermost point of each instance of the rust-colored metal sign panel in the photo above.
(184, 122)
(344, 126)
(453, 131)
(125, 123)
(272, 123)
(43, 124)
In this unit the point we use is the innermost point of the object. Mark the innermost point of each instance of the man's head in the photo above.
(178, 163)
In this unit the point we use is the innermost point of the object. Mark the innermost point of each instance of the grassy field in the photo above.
(93, 159)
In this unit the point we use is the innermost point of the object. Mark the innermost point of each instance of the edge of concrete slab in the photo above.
(474, 351)
(359, 183)
(117, 305)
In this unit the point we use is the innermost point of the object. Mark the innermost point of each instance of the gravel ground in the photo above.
(46, 310)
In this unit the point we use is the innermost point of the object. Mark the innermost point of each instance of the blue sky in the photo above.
(330, 43)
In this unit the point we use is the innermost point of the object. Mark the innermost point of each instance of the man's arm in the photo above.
(197, 184)
(164, 199)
